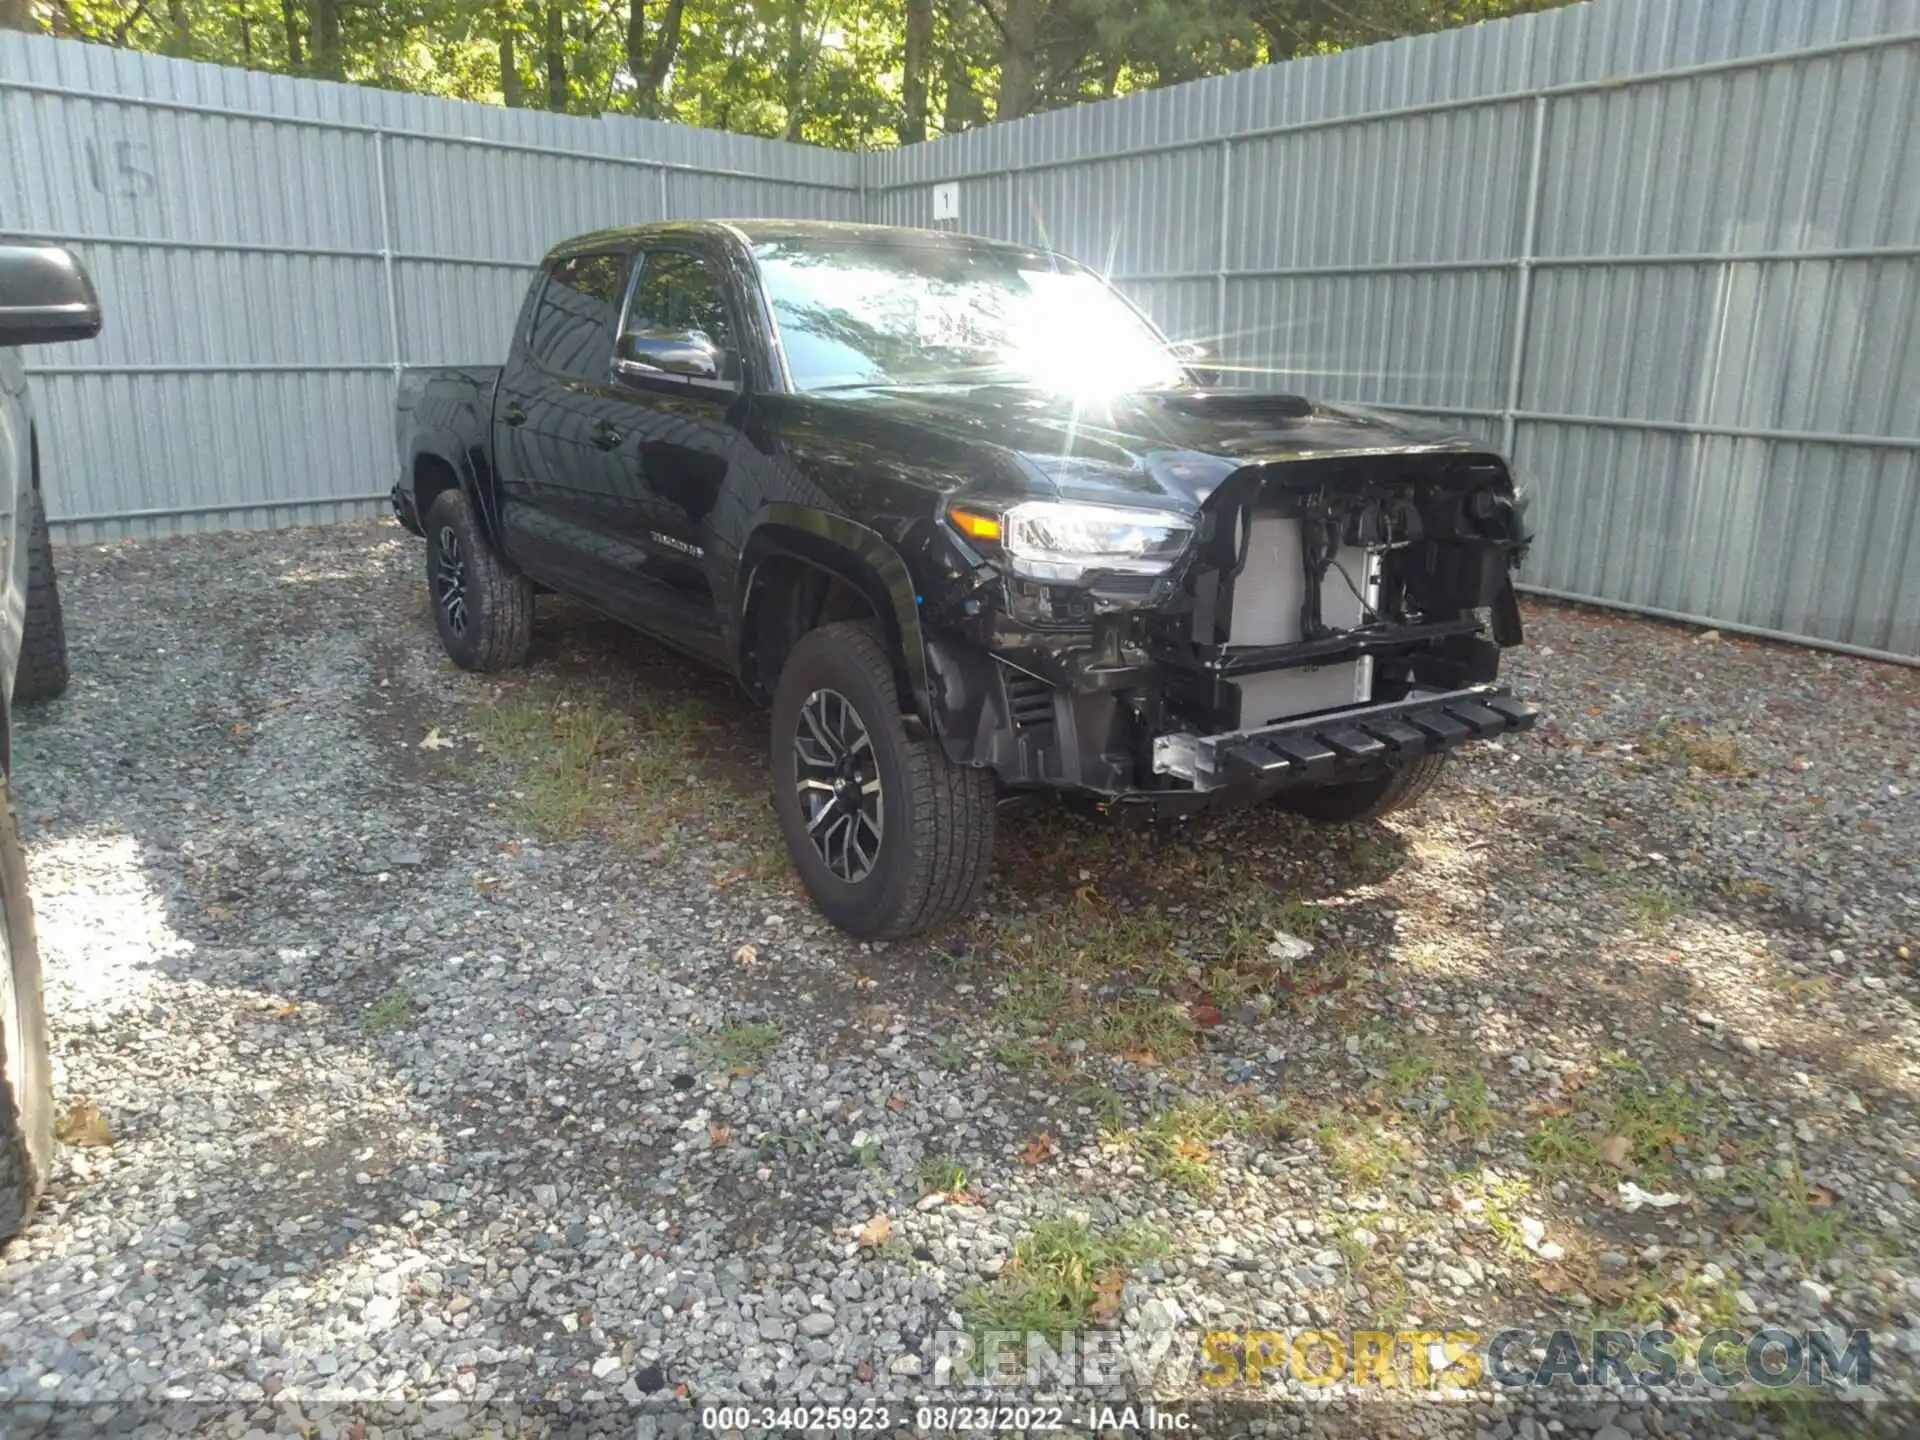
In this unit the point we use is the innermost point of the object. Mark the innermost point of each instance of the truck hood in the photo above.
(1148, 448)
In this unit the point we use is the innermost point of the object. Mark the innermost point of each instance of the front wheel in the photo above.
(1359, 800)
(889, 836)
(26, 1076)
(482, 608)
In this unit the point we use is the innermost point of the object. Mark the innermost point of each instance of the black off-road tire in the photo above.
(936, 838)
(26, 1076)
(42, 672)
(1361, 800)
(491, 626)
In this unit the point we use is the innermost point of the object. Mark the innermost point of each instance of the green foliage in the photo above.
(832, 72)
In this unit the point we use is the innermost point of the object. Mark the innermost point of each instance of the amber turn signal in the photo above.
(974, 525)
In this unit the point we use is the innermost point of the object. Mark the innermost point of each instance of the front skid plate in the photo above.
(1321, 748)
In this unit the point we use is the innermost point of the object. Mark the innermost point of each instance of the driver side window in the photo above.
(676, 291)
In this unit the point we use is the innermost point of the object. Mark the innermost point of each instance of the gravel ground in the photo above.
(412, 1098)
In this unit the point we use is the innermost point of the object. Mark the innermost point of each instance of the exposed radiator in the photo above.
(1267, 595)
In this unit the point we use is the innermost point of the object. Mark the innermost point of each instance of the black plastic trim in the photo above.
(1317, 748)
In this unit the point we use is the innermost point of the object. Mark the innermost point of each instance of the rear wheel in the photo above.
(482, 608)
(42, 672)
(1360, 800)
(889, 836)
(26, 1076)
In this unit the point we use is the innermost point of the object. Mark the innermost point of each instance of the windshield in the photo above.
(857, 313)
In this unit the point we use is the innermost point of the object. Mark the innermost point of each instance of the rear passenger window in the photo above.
(573, 328)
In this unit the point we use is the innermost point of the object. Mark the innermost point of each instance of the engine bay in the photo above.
(1336, 583)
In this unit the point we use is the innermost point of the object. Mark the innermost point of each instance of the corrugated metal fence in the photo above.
(271, 253)
(1667, 252)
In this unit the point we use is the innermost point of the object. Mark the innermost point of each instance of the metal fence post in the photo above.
(386, 257)
(1523, 268)
(1220, 256)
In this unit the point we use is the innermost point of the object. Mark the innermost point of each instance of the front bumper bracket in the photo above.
(1320, 748)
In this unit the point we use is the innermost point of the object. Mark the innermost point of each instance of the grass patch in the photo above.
(1103, 983)
(1814, 988)
(738, 1045)
(1177, 1144)
(1410, 1068)
(1652, 907)
(1635, 1305)
(1799, 1413)
(1359, 1151)
(1654, 1119)
(951, 1055)
(573, 758)
(1791, 1222)
(1467, 1104)
(1416, 1067)
(792, 1141)
(1063, 1276)
(1105, 1102)
(391, 1011)
(1130, 939)
(1684, 744)
(1557, 1149)
(1626, 1126)
(1300, 918)
(942, 1175)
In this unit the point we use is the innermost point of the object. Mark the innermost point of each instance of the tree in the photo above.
(291, 19)
(832, 72)
(916, 42)
(323, 21)
(1019, 34)
(180, 23)
(648, 63)
(556, 56)
(794, 71)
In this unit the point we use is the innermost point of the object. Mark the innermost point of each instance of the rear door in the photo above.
(552, 418)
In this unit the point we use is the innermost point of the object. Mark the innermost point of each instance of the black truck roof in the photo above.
(755, 231)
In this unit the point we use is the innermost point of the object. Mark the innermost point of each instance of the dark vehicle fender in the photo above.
(851, 552)
(440, 462)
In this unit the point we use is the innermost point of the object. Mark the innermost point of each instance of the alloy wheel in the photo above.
(837, 776)
(450, 580)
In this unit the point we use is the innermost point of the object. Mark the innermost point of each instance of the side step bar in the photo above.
(1324, 747)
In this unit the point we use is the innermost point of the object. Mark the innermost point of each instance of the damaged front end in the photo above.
(1317, 621)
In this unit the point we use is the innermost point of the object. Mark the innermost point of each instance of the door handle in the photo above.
(606, 437)
(514, 415)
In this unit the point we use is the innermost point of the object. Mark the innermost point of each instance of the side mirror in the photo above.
(45, 295)
(681, 354)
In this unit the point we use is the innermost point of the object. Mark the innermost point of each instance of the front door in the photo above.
(678, 444)
(556, 421)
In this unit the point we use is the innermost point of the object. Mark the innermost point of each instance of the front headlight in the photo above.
(1060, 540)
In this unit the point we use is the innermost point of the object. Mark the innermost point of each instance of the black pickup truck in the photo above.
(971, 526)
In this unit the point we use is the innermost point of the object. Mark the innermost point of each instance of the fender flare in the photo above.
(855, 553)
(470, 472)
